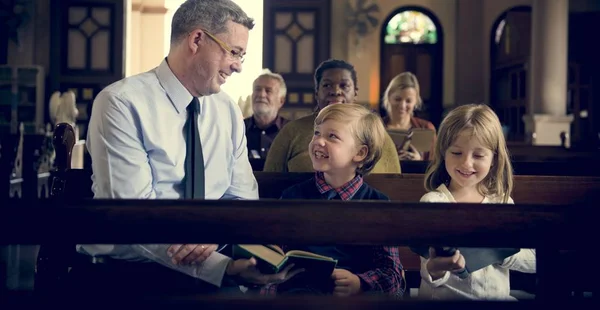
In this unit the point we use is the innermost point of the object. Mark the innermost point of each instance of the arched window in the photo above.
(411, 27)
(412, 40)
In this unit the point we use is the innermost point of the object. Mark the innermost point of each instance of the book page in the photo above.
(422, 139)
(265, 253)
(398, 136)
(298, 253)
(276, 248)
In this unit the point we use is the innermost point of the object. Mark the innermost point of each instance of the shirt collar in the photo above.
(346, 191)
(180, 97)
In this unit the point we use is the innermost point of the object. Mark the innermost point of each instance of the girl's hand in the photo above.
(437, 266)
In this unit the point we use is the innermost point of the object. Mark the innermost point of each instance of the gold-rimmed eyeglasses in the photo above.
(232, 52)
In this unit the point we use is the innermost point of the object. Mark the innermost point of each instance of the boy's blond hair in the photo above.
(365, 126)
(402, 81)
(484, 125)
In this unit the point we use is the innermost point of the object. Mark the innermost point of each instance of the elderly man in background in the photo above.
(268, 96)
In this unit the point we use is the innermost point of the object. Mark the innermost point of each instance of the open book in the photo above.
(271, 259)
(420, 138)
(476, 258)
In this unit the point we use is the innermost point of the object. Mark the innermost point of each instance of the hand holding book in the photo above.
(247, 270)
(442, 262)
(469, 259)
(272, 259)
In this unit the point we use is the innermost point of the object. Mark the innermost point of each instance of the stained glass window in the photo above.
(411, 27)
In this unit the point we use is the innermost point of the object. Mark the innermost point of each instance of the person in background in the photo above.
(335, 83)
(400, 100)
(268, 96)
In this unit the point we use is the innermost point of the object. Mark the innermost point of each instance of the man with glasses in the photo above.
(171, 133)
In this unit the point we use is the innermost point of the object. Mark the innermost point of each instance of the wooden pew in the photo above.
(521, 166)
(549, 189)
(546, 190)
(410, 187)
(526, 166)
(29, 300)
(547, 228)
(76, 184)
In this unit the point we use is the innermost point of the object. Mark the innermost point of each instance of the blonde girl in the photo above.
(470, 165)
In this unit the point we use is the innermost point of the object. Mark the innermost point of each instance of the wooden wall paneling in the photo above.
(296, 39)
(87, 49)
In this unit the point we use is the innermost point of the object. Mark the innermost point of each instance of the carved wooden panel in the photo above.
(87, 49)
(294, 46)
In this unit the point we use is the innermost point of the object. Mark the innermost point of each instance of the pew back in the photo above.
(74, 184)
(410, 187)
(528, 189)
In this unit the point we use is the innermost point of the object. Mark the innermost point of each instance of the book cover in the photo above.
(476, 258)
(420, 138)
(271, 259)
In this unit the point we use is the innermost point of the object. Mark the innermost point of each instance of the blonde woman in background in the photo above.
(401, 98)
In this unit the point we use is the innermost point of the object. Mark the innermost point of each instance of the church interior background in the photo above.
(508, 54)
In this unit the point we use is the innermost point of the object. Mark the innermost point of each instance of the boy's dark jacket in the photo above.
(308, 190)
(351, 258)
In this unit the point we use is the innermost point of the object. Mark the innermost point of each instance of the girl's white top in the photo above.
(491, 282)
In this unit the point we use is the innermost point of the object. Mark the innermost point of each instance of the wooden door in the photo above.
(423, 61)
(296, 40)
(87, 51)
(510, 48)
(423, 57)
(584, 73)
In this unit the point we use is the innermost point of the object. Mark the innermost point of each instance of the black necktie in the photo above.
(194, 160)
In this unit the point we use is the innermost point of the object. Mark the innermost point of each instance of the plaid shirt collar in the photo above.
(345, 192)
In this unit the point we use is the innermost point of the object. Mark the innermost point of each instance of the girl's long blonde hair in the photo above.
(485, 126)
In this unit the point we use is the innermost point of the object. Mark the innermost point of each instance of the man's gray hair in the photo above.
(211, 15)
(275, 76)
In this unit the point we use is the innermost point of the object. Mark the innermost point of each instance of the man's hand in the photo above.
(346, 283)
(437, 266)
(246, 269)
(190, 253)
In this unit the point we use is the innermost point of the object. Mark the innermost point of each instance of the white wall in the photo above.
(240, 85)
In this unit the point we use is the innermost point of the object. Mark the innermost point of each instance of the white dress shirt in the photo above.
(137, 145)
(490, 283)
